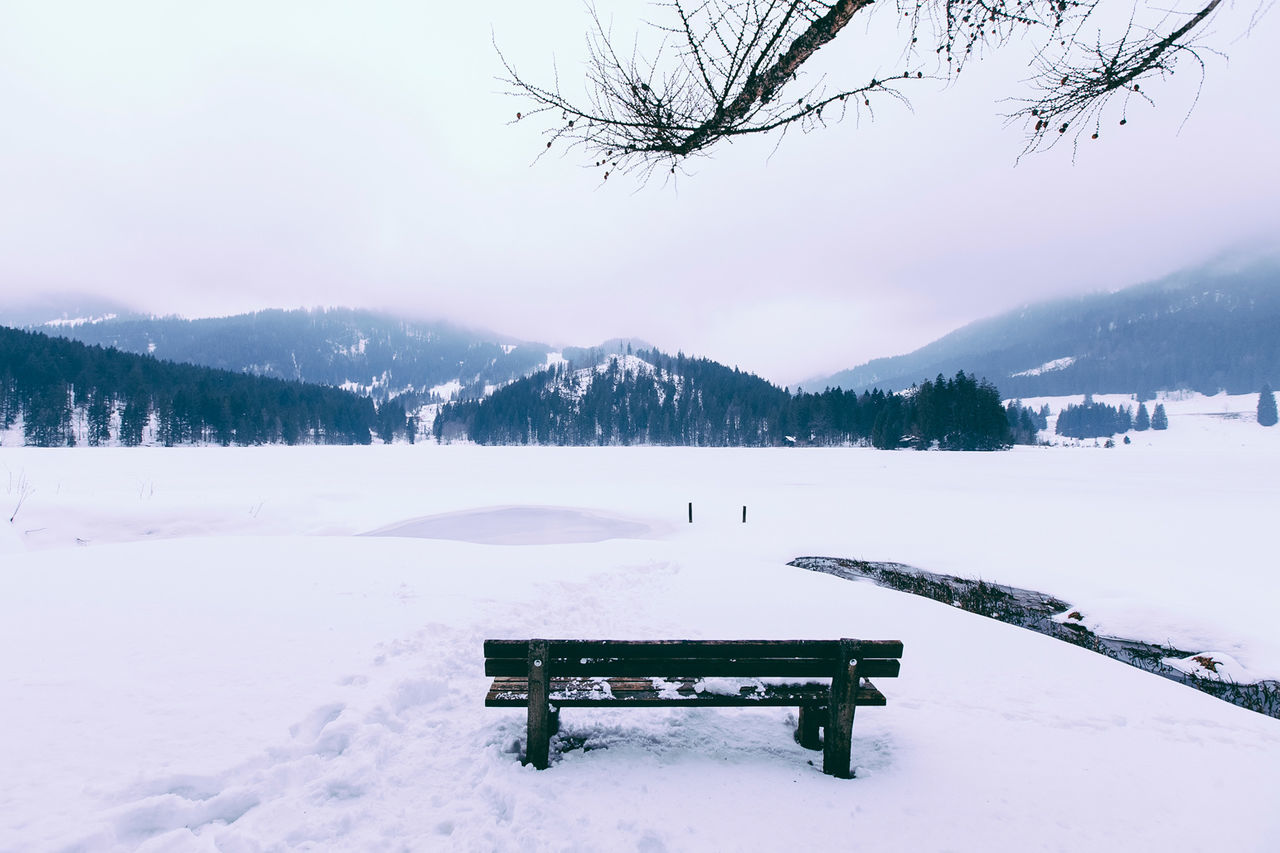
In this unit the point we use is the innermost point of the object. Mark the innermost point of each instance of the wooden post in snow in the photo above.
(838, 744)
(538, 743)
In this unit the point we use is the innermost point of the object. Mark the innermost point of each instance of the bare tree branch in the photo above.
(727, 68)
(1072, 89)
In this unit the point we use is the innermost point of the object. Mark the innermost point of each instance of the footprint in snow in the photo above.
(310, 726)
(166, 812)
(418, 692)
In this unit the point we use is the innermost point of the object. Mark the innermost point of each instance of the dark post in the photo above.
(810, 722)
(691, 512)
(538, 746)
(838, 746)
(744, 515)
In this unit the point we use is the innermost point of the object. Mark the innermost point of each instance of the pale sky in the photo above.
(228, 157)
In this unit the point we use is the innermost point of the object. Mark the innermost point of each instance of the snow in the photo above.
(1218, 666)
(226, 663)
(623, 364)
(382, 381)
(577, 385)
(626, 364)
(1048, 367)
(71, 322)
(447, 390)
(1197, 423)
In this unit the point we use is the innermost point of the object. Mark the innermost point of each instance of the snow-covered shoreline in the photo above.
(205, 655)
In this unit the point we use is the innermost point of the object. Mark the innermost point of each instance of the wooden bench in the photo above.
(825, 679)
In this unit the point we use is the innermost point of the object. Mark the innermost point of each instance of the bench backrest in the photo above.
(696, 658)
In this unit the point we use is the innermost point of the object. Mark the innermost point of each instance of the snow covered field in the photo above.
(200, 651)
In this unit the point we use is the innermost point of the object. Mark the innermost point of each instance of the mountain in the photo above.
(648, 397)
(63, 393)
(1210, 329)
(60, 310)
(363, 351)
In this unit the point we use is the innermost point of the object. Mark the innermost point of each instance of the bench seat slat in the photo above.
(519, 649)
(692, 667)
(513, 692)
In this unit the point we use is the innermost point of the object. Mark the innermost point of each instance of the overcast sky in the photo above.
(216, 158)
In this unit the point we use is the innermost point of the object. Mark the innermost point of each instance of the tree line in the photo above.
(655, 398)
(65, 392)
(1091, 419)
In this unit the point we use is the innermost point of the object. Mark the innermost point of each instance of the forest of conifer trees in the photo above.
(654, 398)
(66, 393)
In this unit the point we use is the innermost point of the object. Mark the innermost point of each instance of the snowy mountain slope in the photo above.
(1207, 329)
(577, 382)
(206, 657)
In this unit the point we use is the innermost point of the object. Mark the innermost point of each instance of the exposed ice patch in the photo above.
(521, 525)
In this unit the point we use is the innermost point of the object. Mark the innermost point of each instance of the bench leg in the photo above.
(838, 744)
(810, 722)
(538, 744)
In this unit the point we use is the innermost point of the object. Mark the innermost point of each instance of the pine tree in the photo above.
(1159, 420)
(1266, 406)
(99, 417)
(1143, 421)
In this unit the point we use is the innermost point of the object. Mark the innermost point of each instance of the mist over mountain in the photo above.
(55, 310)
(601, 351)
(1208, 329)
(363, 351)
(1213, 328)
